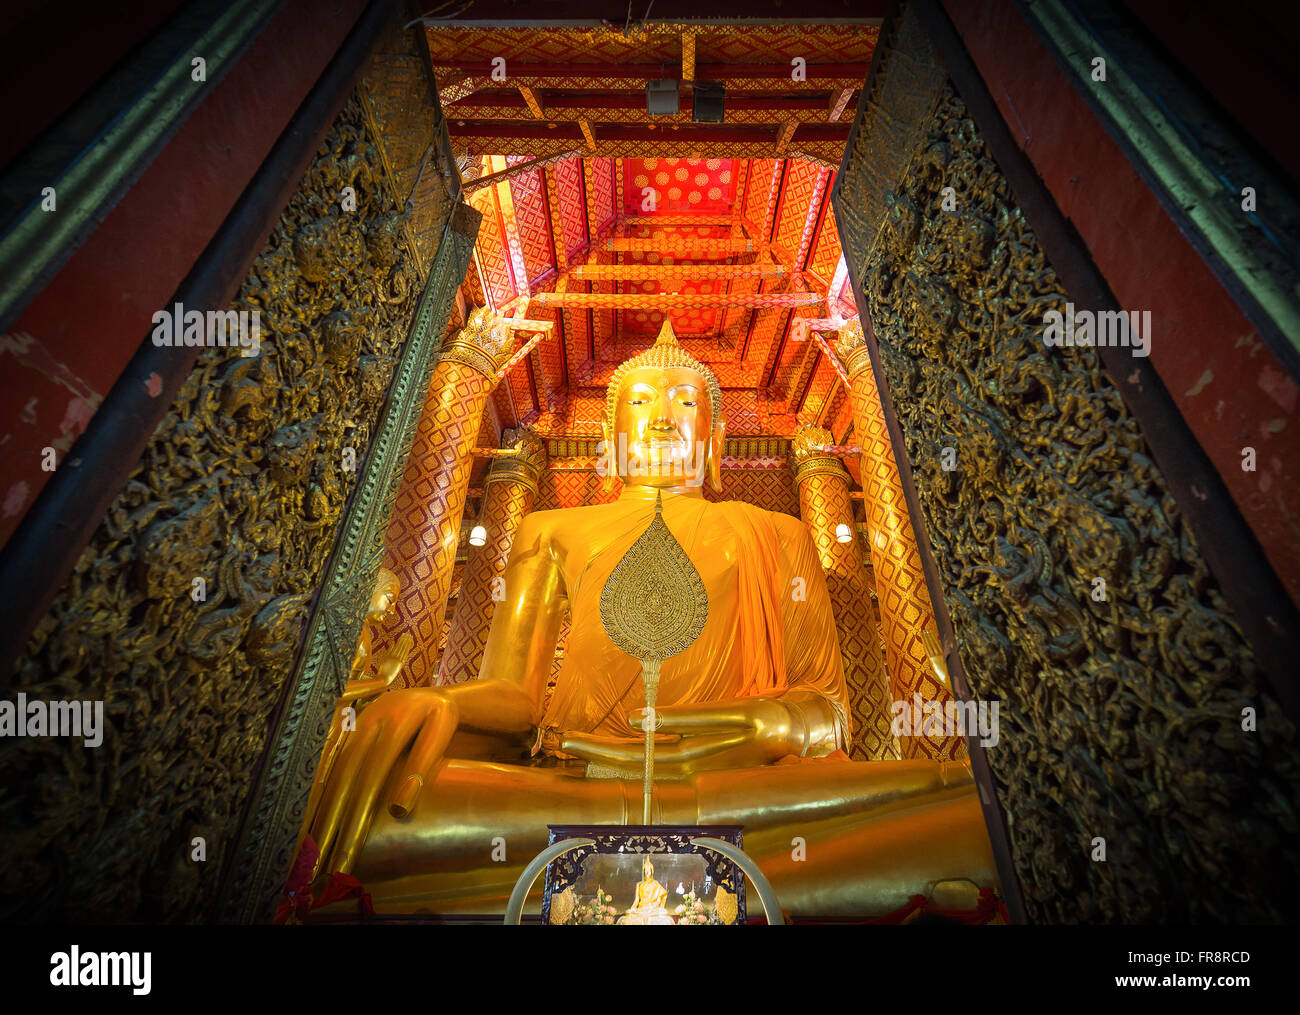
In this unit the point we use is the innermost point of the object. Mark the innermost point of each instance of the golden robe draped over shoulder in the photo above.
(766, 631)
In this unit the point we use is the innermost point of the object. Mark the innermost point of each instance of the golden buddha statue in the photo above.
(370, 676)
(751, 725)
(648, 908)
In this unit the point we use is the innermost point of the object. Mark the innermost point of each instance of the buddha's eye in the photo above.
(689, 402)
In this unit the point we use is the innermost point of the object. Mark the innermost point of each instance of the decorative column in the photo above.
(508, 494)
(905, 608)
(824, 505)
(425, 526)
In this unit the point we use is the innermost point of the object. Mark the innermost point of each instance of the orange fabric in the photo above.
(761, 636)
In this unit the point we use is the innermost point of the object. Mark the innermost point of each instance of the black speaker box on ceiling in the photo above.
(710, 98)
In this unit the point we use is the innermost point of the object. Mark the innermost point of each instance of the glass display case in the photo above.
(644, 875)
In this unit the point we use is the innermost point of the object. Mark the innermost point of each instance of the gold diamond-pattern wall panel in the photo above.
(573, 482)
(824, 383)
(771, 488)
(563, 486)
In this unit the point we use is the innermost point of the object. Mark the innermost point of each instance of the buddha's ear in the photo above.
(717, 441)
(611, 459)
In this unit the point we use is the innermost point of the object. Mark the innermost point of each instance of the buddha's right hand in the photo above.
(424, 716)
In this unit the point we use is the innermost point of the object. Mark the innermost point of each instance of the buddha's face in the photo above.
(664, 433)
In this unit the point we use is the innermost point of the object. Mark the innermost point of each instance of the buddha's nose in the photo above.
(662, 421)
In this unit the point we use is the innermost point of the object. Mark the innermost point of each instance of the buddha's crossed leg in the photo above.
(873, 833)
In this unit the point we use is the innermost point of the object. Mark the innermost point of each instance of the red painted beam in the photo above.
(601, 14)
(675, 301)
(515, 128)
(558, 101)
(504, 129)
(653, 71)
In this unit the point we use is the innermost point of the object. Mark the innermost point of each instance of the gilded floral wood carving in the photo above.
(1121, 713)
(244, 485)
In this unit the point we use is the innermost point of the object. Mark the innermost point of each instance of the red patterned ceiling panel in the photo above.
(799, 191)
(505, 406)
(824, 381)
(568, 180)
(771, 383)
(521, 391)
(534, 226)
(492, 248)
(704, 186)
(548, 371)
(576, 333)
(818, 208)
(835, 405)
(602, 172)
(826, 247)
(760, 191)
(793, 368)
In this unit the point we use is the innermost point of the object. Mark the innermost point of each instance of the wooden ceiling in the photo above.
(601, 220)
(789, 88)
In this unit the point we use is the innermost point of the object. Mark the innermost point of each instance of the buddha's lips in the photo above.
(662, 444)
(666, 454)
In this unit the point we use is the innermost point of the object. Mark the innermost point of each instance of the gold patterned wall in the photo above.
(1121, 718)
(243, 485)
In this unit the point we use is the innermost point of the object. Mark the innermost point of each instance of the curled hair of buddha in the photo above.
(666, 352)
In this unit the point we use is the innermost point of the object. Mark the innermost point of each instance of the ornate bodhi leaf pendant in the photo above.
(654, 604)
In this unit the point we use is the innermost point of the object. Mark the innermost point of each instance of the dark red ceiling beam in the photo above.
(515, 128)
(613, 13)
(820, 132)
(625, 132)
(719, 132)
(633, 99)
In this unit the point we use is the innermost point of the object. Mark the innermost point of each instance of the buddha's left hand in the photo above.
(736, 733)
